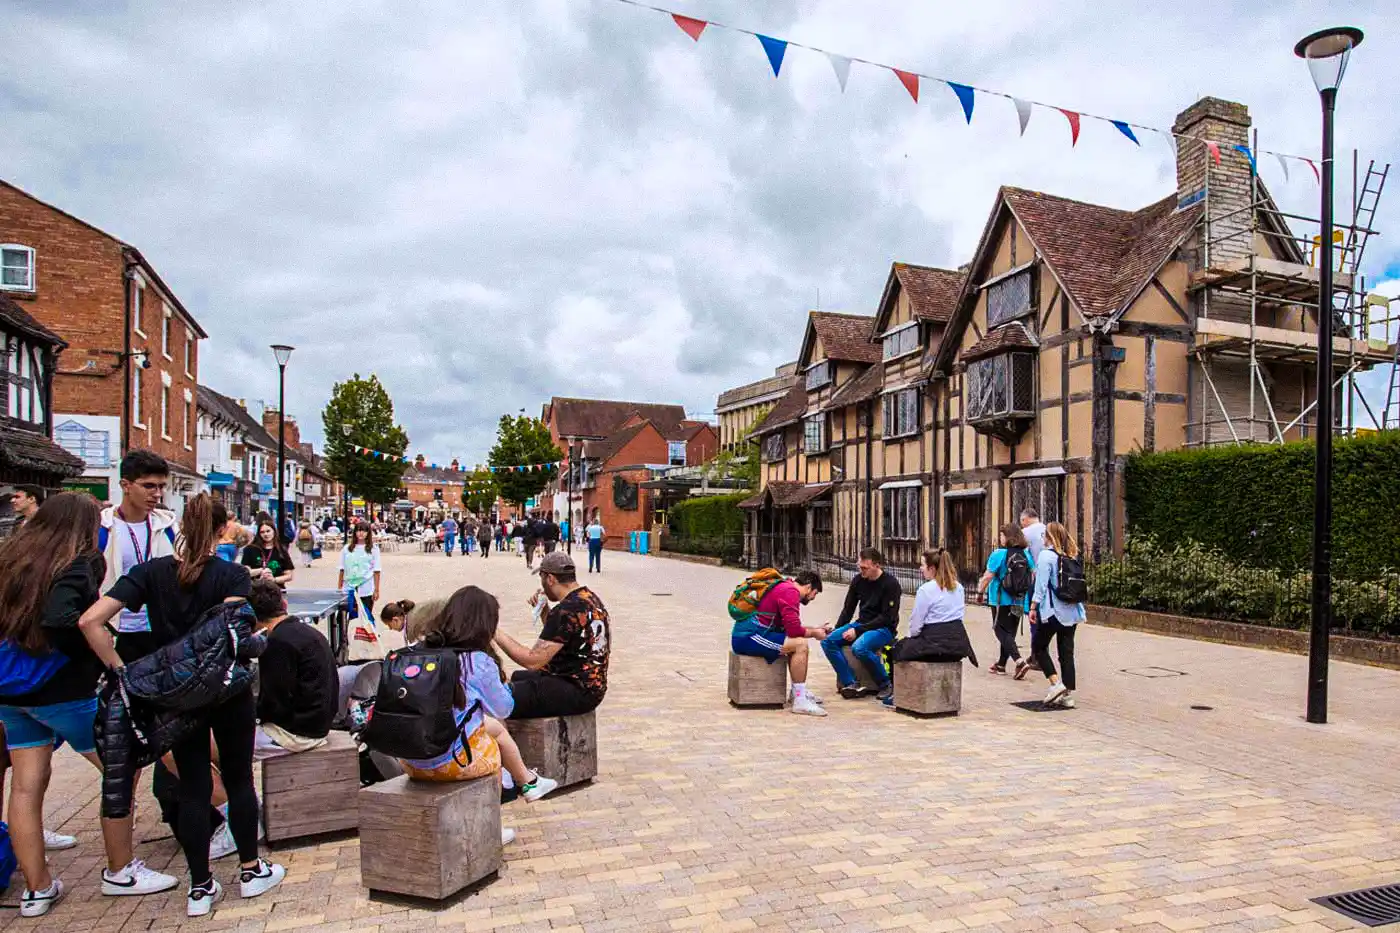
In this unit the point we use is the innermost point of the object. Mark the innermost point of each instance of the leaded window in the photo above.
(901, 411)
(1009, 299)
(901, 513)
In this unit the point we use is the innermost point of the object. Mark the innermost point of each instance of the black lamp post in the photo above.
(283, 353)
(345, 492)
(1326, 53)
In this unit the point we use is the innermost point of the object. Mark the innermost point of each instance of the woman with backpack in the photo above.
(479, 699)
(177, 591)
(1058, 606)
(1008, 584)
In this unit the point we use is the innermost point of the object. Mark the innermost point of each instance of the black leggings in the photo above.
(1064, 645)
(538, 694)
(1006, 620)
(232, 724)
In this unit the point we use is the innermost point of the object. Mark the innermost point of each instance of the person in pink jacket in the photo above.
(776, 631)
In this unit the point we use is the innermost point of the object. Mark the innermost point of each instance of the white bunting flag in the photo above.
(1023, 112)
(842, 66)
(1283, 164)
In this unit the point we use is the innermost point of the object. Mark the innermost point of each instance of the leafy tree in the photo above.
(480, 492)
(520, 440)
(741, 464)
(365, 406)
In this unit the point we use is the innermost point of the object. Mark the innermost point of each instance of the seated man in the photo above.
(877, 595)
(298, 687)
(775, 630)
(566, 672)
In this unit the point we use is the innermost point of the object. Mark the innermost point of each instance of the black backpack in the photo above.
(413, 715)
(1017, 577)
(1070, 586)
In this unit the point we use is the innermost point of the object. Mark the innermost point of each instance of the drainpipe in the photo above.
(50, 358)
(128, 273)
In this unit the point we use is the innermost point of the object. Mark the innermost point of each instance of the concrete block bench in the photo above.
(755, 682)
(308, 793)
(928, 688)
(561, 747)
(863, 675)
(429, 840)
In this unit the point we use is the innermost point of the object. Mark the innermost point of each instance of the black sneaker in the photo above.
(886, 692)
(852, 692)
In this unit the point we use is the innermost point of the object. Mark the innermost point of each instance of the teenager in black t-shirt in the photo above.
(298, 688)
(266, 556)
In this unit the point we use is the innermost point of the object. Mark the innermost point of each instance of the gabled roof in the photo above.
(606, 449)
(784, 494)
(1011, 336)
(16, 318)
(866, 385)
(599, 418)
(221, 406)
(687, 431)
(845, 337)
(933, 293)
(787, 410)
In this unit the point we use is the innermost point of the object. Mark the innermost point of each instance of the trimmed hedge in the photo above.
(710, 525)
(1255, 502)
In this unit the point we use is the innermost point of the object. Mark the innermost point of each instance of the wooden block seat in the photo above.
(928, 688)
(863, 675)
(427, 839)
(564, 748)
(755, 682)
(306, 793)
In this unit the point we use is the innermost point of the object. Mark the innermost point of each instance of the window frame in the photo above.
(825, 368)
(189, 353)
(892, 413)
(136, 387)
(1003, 283)
(775, 447)
(165, 413)
(898, 333)
(31, 268)
(185, 421)
(899, 513)
(138, 302)
(823, 440)
(671, 447)
(986, 368)
(166, 315)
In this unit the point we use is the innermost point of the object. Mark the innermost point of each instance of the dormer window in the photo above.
(1009, 299)
(818, 375)
(814, 440)
(1000, 394)
(900, 342)
(16, 268)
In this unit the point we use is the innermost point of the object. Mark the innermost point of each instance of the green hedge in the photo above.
(1194, 580)
(711, 525)
(1255, 502)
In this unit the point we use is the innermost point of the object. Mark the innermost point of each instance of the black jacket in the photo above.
(941, 641)
(75, 589)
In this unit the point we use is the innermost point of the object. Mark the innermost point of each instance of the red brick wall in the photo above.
(618, 522)
(269, 423)
(80, 295)
(702, 447)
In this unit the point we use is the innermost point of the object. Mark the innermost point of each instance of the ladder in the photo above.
(1363, 213)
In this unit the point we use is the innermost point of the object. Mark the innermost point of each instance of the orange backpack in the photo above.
(743, 604)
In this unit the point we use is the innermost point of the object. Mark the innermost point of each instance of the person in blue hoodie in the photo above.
(1054, 617)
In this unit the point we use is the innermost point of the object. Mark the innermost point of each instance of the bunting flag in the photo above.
(842, 66)
(1253, 165)
(964, 97)
(775, 49)
(1073, 118)
(691, 27)
(910, 82)
(1023, 112)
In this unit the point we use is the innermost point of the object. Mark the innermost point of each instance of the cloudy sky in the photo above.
(490, 202)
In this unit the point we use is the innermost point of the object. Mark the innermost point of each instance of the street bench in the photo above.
(755, 682)
(427, 839)
(564, 748)
(928, 688)
(863, 676)
(312, 792)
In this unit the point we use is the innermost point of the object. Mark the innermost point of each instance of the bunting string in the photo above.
(775, 50)
(407, 461)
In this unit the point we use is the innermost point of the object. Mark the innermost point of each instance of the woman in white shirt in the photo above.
(1057, 618)
(936, 630)
(359, 566)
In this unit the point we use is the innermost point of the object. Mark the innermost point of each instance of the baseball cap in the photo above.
(556, 563)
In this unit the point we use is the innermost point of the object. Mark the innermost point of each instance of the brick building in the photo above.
(435, 493)
(129, 377)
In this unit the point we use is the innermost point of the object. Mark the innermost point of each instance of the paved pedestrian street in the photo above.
(1184, 793)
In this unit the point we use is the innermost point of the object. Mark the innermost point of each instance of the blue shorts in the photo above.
(37, 726)
(765, 644)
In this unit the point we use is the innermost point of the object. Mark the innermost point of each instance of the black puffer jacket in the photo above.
(154, 702)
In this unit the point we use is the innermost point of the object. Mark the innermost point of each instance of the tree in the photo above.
(365, 406)
(522, 440)
(741, 464)
(480, 492)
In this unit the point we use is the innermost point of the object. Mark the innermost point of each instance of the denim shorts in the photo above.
(37, 726)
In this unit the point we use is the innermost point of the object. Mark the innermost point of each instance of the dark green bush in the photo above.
(710, 525)
(1255, 502)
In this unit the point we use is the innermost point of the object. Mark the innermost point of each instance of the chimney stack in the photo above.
(1227, 186)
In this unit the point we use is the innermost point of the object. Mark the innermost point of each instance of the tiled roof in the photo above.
(687, 431)
(866, 385)
(16, 318)
(786, 495)
(589, 417)
(933, 293)
(1102, 255)
(784, 412)
(846, 337)
(1011, 336)
(220, 405)
(29, 450)
(606, 449)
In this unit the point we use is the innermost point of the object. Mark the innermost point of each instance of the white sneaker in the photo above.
(54, 842)
(804, 706)
(37, 903)
(1067, 701)
(260, 880)
(200, 901)
(507, 835)
(1054, 693)
(820, 701)
(221, 845)
(539, 787)
(136, 878)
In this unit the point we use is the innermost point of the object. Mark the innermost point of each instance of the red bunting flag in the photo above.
(910, 82)
(1214, 151)
(1073, 119)
(1316, 174)
(691, 27)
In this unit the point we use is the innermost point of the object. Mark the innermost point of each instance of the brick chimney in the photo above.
(269, 421)
(454, 464)
(1226, 124)
(307, 448)
(420, 461)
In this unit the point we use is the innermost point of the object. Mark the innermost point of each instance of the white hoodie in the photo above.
(163, 527)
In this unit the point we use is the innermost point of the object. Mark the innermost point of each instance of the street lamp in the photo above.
(283, 353)
(1326, 53)
(345, 488)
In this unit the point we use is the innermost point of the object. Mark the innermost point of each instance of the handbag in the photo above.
(364, 640)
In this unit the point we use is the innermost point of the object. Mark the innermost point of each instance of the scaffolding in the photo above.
(1252, 347)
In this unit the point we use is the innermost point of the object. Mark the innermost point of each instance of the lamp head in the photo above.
(1326, 53)
(345, 429)
(282, 352)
